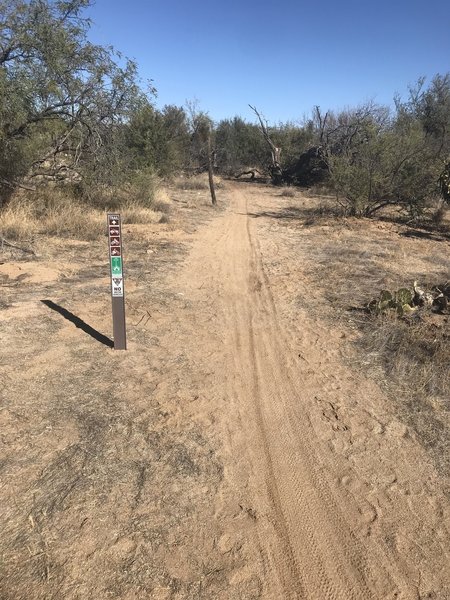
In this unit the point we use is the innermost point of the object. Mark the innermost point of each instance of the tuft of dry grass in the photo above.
(133, 212)
(162, 201)
(196, 182)
(288, 192)
(73, 220)
(439, 213)
(51, 212)
(17, 221)
(414, 353)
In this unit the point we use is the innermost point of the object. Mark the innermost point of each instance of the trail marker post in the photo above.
(117, 286)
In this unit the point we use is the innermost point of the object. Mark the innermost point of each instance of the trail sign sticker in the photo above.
(117, 282)
(116, 266)
(117, 287)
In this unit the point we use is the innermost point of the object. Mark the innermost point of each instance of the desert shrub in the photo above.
(239, 144)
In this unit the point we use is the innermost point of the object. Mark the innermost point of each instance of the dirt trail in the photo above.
(232, 453)
(317, 531)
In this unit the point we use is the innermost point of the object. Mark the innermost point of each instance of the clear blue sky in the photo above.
(284, 57)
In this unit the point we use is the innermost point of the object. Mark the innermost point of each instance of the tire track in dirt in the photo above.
(316, 566)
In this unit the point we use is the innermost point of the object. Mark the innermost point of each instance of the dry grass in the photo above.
(414, 353)
(288, 192)
(56, 212)
(51, 213)
(133, 212)
(161, 202)
(411, 360)
(17, 221)
(73, 220)
(196, 182)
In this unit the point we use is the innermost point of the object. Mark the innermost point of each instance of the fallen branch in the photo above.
(6, 243)
(16, 184)
(252, 172)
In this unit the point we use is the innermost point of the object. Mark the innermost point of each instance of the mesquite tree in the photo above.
(61, 97)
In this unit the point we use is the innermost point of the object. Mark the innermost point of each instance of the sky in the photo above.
(283, 56)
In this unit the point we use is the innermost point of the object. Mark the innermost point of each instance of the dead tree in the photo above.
(210, 169)
(322, 123)
(275, 169)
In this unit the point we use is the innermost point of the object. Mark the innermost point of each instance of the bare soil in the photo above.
(246, 445)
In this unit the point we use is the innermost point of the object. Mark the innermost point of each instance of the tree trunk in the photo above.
(276, 171)
(210, 171)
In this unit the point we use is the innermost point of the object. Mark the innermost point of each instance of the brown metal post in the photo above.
(117, 281)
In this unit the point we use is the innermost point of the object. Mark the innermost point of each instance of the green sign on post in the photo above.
(116, 266)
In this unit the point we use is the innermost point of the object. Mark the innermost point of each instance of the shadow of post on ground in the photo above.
(103, 339)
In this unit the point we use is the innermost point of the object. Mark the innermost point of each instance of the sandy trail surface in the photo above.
(326, 473)
(263, 465)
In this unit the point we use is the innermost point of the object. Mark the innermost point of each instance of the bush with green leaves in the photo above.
(61, 96)
(377, 157)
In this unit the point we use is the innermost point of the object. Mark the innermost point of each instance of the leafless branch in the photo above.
(6, 243)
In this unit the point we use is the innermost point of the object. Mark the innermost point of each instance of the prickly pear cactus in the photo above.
(404, 296)
(382, 303)
(400, 301)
